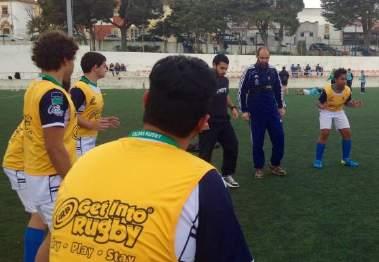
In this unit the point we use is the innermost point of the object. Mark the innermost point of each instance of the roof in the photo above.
(312, 15)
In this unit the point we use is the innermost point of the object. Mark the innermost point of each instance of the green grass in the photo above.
(328, 215)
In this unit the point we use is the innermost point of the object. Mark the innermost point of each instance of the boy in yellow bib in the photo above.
(13, 165)
(50, 123)
(331, 104)
(144, 198)
(89, 102)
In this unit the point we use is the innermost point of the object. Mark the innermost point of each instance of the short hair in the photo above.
(339, 72)
(91, 59)
(220, 58)
(51, 49)
(284, 68)
(181, 89)
(262, 48)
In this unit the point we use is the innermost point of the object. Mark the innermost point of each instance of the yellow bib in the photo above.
(336, 101)
(93, 107)
(123, 200)
(14, 155)
(37, 161)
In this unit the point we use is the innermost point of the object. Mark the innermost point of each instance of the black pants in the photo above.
(350, 84)
(223, 133)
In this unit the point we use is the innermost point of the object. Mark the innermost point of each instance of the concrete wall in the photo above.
(17, 59)
(130, 82)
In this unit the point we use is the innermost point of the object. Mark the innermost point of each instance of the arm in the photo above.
(219, 235)
(353, 103)
(243, 91)
(233, 108)
(277, 87)
(322, 100)
(58, 154)
(79, 99)
(243, 94)
(52, 109)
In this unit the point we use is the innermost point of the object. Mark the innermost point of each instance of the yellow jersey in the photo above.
(94, 104)
(14, 155)
(37, 161)
(122, 201)
(336, 101)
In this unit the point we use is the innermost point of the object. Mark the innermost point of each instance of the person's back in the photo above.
(143, 198)
(284, 76)
(146, 184)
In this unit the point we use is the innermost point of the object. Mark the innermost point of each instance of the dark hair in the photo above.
(262, 48)
(220, 58)
(181, 89)
(51, 49)
(284, 68)
(339, 72)
(91, 59)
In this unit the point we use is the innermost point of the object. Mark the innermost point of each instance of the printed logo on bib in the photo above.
(223, 90)
(92, 102)
(55, 110)
(56, 98)
(105, 221)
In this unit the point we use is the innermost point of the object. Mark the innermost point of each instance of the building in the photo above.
(314, 28)
(353, 35)
(14, 16)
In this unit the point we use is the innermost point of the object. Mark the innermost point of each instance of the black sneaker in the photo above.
(230, 182)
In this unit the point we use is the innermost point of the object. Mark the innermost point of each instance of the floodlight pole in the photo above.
(70, 30)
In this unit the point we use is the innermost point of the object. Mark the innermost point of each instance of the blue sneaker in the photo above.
(318, 164)
(350, 163)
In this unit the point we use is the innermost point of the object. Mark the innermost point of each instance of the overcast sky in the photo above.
(312, 3)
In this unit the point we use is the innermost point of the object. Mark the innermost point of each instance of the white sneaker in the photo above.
(230, 182)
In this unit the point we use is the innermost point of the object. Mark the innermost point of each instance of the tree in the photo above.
(263, 14)
(192, 20)
(344, 12)
(37, 24)
(86, 13)
(138, 13)
(286, 17)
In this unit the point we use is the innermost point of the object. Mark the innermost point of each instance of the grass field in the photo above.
(328, 215)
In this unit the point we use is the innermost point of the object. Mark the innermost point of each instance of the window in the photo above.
(311, 34)
(4, 11)
(6, 31)
(302, 34)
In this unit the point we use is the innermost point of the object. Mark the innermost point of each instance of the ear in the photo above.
(65, 62)
(203, 124)
(145, 98)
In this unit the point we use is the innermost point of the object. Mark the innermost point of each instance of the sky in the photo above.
(312, 3)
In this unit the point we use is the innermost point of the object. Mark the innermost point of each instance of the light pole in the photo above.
(70, 30)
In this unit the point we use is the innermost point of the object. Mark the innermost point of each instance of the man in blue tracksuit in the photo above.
(261, 102)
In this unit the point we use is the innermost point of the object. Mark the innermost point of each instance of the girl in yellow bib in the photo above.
(331, 104)
(89, 102)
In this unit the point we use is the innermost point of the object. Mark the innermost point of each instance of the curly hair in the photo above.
(51, 49)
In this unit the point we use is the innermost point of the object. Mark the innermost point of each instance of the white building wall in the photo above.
(314, 15)
(18, 16)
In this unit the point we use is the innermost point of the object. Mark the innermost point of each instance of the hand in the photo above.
(246, 116)
(101, 124)
(356, 103)
(235, 113)
(282, 112)
(206, 127)
(114, 121)
(322, 106)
